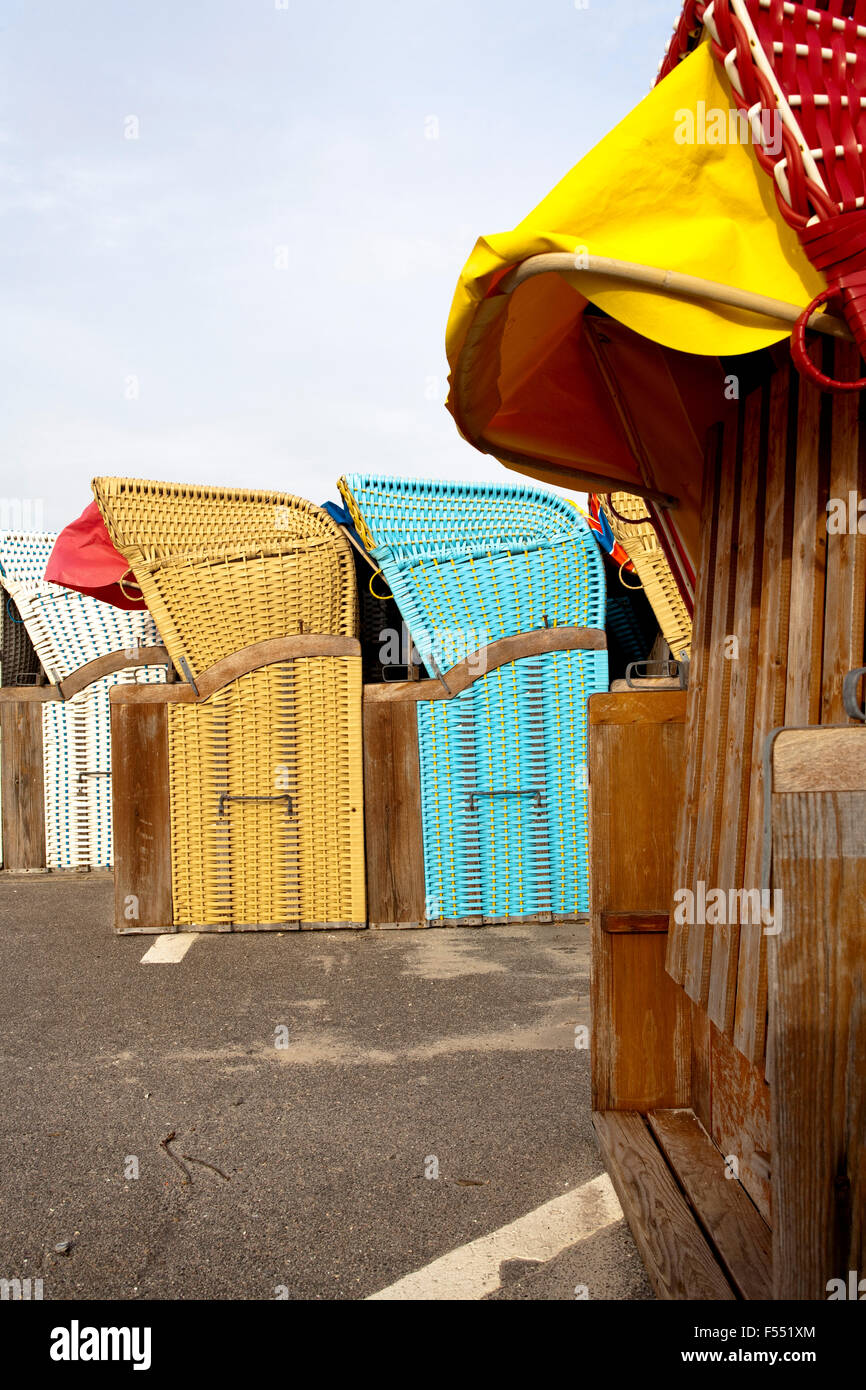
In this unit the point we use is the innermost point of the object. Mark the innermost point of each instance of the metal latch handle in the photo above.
(853, 708)
(655, 670)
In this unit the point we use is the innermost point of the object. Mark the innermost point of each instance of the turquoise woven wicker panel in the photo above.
(470, 565)
(503, 790)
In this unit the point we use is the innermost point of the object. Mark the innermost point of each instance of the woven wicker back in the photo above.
(631, 525)
(223, 569)
(19, 664)
(67, 629)
(469, 565)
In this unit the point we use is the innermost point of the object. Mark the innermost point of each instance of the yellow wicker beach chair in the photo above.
(254, 594)
(632, 527)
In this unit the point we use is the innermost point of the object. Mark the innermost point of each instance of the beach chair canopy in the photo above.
(592, 345)
(84, 559)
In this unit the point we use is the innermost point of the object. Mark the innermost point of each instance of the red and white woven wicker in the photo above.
(807, 66)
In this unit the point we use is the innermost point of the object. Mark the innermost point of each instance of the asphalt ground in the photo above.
(455, 1045)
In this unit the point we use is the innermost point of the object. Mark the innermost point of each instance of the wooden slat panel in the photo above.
(741, 1237)
(750, 1023)
(736, 774)
(678, 1260)
(808, 564)
(395, 854)
(818, 1019)
(701, 1088)
(141, 818)
(22, 786)
(688, 814)
(640, 1038)
(740, 1116)
(846, 552)
(715, 713)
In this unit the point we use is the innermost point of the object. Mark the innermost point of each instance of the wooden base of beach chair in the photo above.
(278, 722)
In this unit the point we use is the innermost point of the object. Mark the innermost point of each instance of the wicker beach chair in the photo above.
(68, 631)
(19, 664)
(503, 792)
(631, 525)
(264, 765)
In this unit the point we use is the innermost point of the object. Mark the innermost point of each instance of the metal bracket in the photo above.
(280, 796)
(853, 708)
(184, 665)
(657, 670)
(80, 778)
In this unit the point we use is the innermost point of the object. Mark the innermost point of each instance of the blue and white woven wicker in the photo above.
(503, 765)
(67, 630)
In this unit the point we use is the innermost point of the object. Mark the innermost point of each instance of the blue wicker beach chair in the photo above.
(503, 786)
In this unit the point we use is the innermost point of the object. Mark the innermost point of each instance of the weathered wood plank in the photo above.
(740, 1235)
(639, 707)
(677, 1257)
(305, 645)
(141, 818)
(750, 1021)
(479, 663)
(736, 774)
(835, 762)
(392, 779)
(618, 922)
(640, 1035)
(740, 1116)
(688, 813)
(22, 786)
(808, 564)
(91, 671)
(29, 694)
(817, 970)
(715, 713)
(846, 550)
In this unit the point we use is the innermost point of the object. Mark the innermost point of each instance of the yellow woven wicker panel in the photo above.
(637, 535)
(288, 736)
(221, 570)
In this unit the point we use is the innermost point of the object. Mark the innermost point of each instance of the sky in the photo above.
(230, 230)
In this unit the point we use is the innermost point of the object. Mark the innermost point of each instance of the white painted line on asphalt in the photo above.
(169, 949)
(473, 1270)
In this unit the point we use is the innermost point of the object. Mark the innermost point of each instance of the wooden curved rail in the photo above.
(92, 671)
(302, 646)
(486, 659)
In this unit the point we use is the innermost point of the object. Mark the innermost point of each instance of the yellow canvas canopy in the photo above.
(552, 388)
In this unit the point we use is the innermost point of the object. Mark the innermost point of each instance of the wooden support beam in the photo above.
(142, 817)
(22, 776)
(817, 974)
(640, 1034)
(392, 799)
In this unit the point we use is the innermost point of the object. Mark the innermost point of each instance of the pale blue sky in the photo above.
(269, 131)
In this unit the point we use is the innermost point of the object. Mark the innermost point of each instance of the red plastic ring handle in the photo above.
(800, 353)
